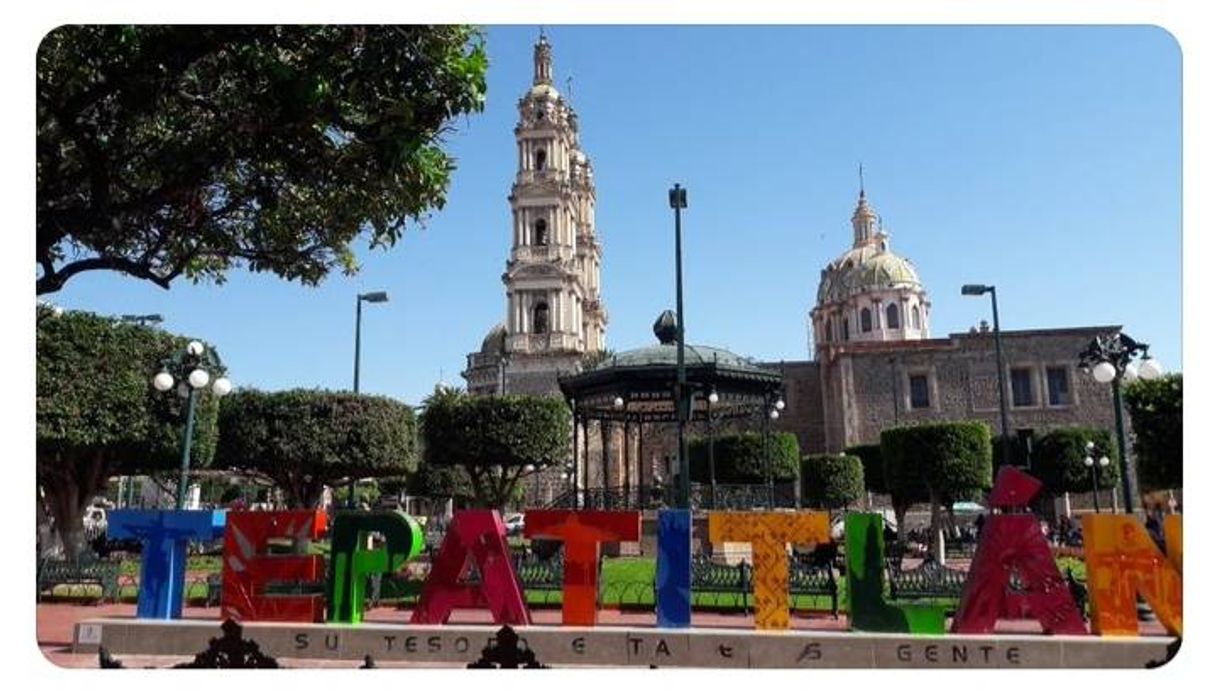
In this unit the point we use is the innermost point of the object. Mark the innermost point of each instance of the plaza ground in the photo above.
(55, 622)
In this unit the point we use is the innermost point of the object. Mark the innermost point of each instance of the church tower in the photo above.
(552, 280)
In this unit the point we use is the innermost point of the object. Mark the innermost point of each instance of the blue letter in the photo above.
(673, 567)
(163, 564)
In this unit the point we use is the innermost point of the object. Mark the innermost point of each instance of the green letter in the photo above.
(869, 610)
(353, 559)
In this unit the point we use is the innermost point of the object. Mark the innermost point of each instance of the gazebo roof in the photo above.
(645, 379)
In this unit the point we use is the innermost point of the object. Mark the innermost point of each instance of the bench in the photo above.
(929, 580)
(100, 573)
(806, 577)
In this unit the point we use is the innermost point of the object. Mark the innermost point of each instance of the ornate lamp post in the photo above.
(1109, 359)
(975, 291)
(1090, 462)
(677, 201)
(371, 298)
(191, 366)
(774, 405)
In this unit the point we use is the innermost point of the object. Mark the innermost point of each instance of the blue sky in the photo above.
(1043, 160)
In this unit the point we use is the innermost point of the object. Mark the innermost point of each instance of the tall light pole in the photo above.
(1090, 462)
(1109, 358)
(371, 298)
(977, 290)
(190, 365)
(677, 201)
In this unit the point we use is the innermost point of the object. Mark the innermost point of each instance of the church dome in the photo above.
(493, 343)
(865, 269)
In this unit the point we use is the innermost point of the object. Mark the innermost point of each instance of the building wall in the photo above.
(858, 385)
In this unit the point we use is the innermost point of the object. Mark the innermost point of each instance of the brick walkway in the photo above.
(55, 624)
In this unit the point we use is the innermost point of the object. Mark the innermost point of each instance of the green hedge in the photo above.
(740, 458)
(951, 459)
(872, 458)
(831, 482)
(1058, 459)
(1156, 414)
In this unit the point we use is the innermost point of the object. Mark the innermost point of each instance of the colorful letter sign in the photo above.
(674, 570)
(1014, 543)
(869, 610)
(352, 559)
(769, 533)
(248, 569)
(477, 536)
(1123, 562)
(163, 563)
(582, 533)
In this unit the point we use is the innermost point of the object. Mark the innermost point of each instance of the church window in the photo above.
(541, 318)
(845, 328)
(541, 235)
(865, 321)
(1021, 388)
(893, 316)
(1059, 385)
(539, 160)
(919, 391)
(917, 317)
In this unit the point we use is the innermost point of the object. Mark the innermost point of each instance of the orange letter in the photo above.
(1123, 562)
(769, 533)
(581, 533)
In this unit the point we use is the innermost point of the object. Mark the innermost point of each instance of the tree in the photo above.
(740, 458)
(306, 439)
(184, 151)
(1156, 414)
(98, 414)
(831, 482)
(941, 461)
(872, 458)
(1058, 459)
(492, 438)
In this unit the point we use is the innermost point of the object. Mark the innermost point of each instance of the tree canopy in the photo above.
(184, 151)
(949, 460)
(872, 458)
(829, 481)
(98, 414)
(1058, 459)
(305, 439)
(1156, 413)
(493, 438)
(740, 458)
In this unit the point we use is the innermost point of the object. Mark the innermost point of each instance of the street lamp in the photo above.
(774, 405)
(677, 201)
(371, 298)
(1109, 359)
(191, 365)
(1090, 462)
(975, 291)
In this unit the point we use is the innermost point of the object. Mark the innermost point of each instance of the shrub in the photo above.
(740, 458)
(831, 482)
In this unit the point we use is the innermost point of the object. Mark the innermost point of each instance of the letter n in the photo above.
(1123, 562)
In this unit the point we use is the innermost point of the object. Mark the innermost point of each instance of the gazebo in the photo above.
(637, 388)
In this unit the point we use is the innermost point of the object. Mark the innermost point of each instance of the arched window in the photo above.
(917, 316)
(539, 160)
(541, 236)
(845, 328)
(894, 316)
(541, 318)
(865, 320)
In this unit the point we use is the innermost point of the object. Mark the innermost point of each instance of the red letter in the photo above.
(478, 535)
(581, 533)
(248, 569)
(1014, 542)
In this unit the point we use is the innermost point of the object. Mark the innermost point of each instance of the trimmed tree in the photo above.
(99, 416)
(306, 439)
(872, 458)
(740, 458)
(1058, 460)
(943, 461)
(1156, 414)
(831, 482)
(167, 151)
(493, 438)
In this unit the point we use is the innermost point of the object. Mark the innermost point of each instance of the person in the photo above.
(1154, 526)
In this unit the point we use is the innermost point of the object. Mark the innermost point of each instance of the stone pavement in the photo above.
(55, 623)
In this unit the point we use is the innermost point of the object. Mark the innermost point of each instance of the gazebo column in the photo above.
(586, 461)
(626, 461)
(574, 452)
(606, 442)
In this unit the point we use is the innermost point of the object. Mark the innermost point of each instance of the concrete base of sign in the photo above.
(624, 646)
